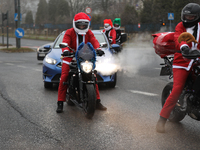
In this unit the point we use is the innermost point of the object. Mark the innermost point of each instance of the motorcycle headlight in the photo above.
(86, 66)
(50, 60)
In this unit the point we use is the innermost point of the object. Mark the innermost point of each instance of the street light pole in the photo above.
(18, 22)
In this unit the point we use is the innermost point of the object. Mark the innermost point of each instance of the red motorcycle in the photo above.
(189, 100)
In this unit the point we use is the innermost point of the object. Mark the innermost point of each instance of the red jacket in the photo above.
(112, 33)
(179, 61)
(71, 37)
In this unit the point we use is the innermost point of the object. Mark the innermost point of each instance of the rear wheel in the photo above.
(48, 85)
(89, 98)
(175, 115)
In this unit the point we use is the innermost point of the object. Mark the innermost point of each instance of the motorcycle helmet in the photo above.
(190, 15)
(108, 24)
(81, 23)
(116, 23)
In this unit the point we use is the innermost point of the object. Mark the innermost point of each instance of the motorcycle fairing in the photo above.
(86, 52)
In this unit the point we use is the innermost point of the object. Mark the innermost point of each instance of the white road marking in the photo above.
(9, 64)
(37, 70)
(143, 93)
(21, 66)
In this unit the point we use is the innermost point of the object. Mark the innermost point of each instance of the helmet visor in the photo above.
(81, 25)
(189, 17)
(106, 25)
(116, 25)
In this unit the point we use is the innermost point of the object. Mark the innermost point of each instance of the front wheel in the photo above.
(69, 102)
(89, 100)
(113, 84)
(48, 85)
(175, 115)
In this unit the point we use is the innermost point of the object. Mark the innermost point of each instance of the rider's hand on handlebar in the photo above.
(66, 53)
(185, 50)
(110, 41)
(100, 52)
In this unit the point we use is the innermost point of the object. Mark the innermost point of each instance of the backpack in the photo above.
(164, 44)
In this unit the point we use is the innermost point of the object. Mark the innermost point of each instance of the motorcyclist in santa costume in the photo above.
(190, 17)
(74, 37)
(109, 31)
(116, 26)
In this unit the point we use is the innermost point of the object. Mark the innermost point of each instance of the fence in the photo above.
(128, 28)
(52, 30)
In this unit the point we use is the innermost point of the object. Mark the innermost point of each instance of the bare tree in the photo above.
(9, 5)
(79, 6)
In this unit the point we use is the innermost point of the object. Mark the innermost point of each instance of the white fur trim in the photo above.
(82, 20)
(66, 62)
(184, 45)
(108, 28)
(116, 28)
(186, 68)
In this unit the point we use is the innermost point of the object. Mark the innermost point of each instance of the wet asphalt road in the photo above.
(29, 121)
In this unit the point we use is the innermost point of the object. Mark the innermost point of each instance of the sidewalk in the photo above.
(2, 47)
(13, 49)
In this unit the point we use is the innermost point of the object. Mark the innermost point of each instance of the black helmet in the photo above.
(190, 15)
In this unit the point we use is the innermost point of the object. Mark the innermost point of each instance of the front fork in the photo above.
(80, 85)
(81, 82)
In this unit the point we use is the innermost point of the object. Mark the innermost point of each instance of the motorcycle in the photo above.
(189, 100)
(82, 79)
(118, 47)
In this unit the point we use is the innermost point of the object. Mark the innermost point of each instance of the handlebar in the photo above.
(70, 55)
(192, 55)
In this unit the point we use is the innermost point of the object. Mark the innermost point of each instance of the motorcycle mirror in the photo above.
(63, 45)
(47, 47)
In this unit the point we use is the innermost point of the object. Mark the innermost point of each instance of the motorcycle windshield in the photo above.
(86, 53)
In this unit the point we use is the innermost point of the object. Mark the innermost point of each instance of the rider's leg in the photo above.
(98, 102)
(179, 79)
(62, 89)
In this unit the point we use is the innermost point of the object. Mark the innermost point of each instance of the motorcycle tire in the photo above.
(113, 84)
(48, 85)
(175, 116)
(89, 97)
(68, 101)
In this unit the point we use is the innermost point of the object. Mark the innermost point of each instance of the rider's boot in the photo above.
(99, 105)
(160, 127)
(60, 107)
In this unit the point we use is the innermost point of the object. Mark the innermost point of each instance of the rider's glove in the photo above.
(110, 41)
(66, 53)
(100, 52)
(185, 50)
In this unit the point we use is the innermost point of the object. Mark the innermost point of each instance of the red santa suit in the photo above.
(71, 37)
(110, 32)
(181, 68)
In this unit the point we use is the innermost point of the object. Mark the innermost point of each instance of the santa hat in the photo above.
(81, 17)
(108, 21)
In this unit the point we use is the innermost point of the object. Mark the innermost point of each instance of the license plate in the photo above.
(42, 55)
(165, 71)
